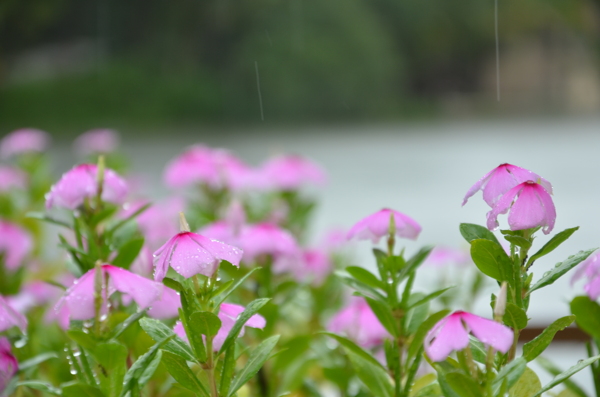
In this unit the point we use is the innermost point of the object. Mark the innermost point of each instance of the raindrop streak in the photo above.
(262, 115)
(497, 51)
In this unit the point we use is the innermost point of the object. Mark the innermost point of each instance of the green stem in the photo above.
(210, 367)
(489, 373)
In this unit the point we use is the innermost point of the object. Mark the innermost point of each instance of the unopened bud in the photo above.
(183, 225)
(100, 172)
(392, 226)
(500, 307)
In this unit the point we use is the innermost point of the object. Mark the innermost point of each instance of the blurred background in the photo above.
(67, 65)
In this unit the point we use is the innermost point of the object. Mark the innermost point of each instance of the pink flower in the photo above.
(501, 179)
(590, 268)
(378, 225)
(33, 294)
(8, 364)
(80, 183)
(452, 333)
(446, 256)
(216, 168)
(167, 306)
(9, 317)
(101, 140)
(228, 314)
(292, 172)
(530, 206)
(267, 239)
(11, 178)
(358, 322)
(15, 245)
(23, 141)
(312, 266)
(159, 222)
(79, 298)
(190, 254)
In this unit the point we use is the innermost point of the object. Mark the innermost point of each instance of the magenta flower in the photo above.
(358, 322)
(8, 364)
(167, 306)
(446, 256)
(79, 298)
(216, 168)
(101, 140)
(25, 140)
(11, 178)
(190, 254)
(292, 172)
(267, 239)
(530, 206)
(33, 294)
(500, 180)
(375, 226)
(81, 182)
(159, 222)
(312, 266)
(452, 333)
(590, 268)
(15, 245)
(9, 317)
(228, 314)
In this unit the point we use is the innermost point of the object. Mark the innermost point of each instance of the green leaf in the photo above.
(140, 366)
(429, 297)
(173, 284)
(128, 252)
(81, 390)
(587, 313)
(253, 365)
(42, 386)
(422, 331)
(227, 371)
(159, 331)
(534, 348)
(560, 269)
(384, 315)
(250, 310)
(365, 276)
(478, 350)
(128, 219)
(515, 317)
(119, 329)
(552, 244)
(81, 338)
(195, 338)
(354, 348)
(362, 287)
(490, 258)
(509, 374)
(150, 369)
(112, 358)
(205, 323)
(225, 294)
(181, 372)
(554, 370)
(463, 385)
(414, 262)
(35, 361)
(560, 378)
(373, 376)
(527, 385)
(43, 217)
(415, 316)
(519, 241)
(472, 232)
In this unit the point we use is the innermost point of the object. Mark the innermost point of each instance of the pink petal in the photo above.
(527, 211)
(8, 364)
(180, 331)
(12, 178)
(592, 288)
(475, 188)
(233, 311)
(9, 317)
(23, 141)
(162, 258)
(100, 140)
(491, 333)
(143, 291)
(548, 204)
(502, 207)
(79, 298)
(15, 244)
(446, 336)
(377, 225)
(167, 306)
(220, 250)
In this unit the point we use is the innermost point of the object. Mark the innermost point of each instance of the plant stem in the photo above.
(210, 367)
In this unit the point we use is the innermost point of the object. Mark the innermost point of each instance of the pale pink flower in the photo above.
(33, 294)
(530, 206)
(79, 298)
(190, 254)
(446, 256)
(452, 333)
(500, 180)
(590, 268)
(80, 183)
(8, 364)
(220, 231)
(158, 222)
(167, 306)
(25, 140)
(358, 322)
(101, 140)
(267, 239)
(312, 266)
(143, 264)
(15, 245)
(11, 178)
(9, 317)
(216, 168)
(290, 172)
(228, 314)
(375, 226)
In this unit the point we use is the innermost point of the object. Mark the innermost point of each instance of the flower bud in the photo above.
(500, 307)
(183, 225)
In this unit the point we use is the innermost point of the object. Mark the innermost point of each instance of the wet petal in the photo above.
(143, 291)
(447, 336)
(494, 334)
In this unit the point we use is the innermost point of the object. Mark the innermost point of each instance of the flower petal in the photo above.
(447, 335)
(493, 334)
(143, 291)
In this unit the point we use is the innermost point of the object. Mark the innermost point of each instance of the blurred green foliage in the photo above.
(197, 60)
